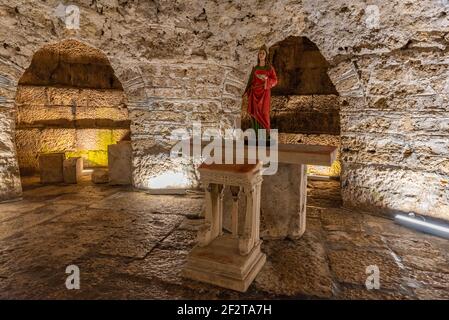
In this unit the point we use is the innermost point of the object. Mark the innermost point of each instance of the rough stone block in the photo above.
(73, 169)
(10, 186)
(220, 264)
(38, 95)
(31, 142)
(119, 162)
(100, 176)
(50, 166)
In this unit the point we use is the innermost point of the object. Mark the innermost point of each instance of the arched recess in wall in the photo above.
(305, 105)
(70, 101)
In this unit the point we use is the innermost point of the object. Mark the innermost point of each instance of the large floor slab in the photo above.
(134, 245)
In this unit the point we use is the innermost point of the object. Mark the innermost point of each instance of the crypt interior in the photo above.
(87, 178)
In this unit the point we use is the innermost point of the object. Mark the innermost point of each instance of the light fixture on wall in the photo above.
(423, 224)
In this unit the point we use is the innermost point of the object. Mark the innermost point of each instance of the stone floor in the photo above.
(130, 244)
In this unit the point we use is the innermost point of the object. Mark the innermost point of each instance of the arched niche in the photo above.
(69, 100)
(305, 106)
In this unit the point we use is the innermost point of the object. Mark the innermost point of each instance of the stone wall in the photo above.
(177, 95)
(310, 119)
(397, 145)
(79, 122)
(334, 171)
(301, 68)
(150, 44)
(390, 67)
(70, 64)
(312, 114)
(69, 100)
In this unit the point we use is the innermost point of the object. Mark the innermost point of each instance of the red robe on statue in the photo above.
(259, 94)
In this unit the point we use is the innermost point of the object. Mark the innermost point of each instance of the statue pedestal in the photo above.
(221, 263)
(230, 261)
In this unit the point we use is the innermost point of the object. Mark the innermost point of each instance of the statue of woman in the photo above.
(262, 79)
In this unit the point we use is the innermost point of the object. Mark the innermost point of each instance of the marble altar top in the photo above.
(288, 153)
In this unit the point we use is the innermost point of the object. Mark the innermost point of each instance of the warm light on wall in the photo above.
(332, 171)
(170, 180)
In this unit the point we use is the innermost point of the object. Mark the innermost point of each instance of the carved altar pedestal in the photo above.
(284, 194)
(228, 260)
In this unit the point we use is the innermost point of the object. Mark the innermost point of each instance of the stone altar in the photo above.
(228, 260)
(284, 194)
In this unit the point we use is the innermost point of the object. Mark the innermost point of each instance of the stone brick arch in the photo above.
(10, 186)
(70, 62)
(384, 167)
(73, 52)
(389, 84)
(305, 104)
